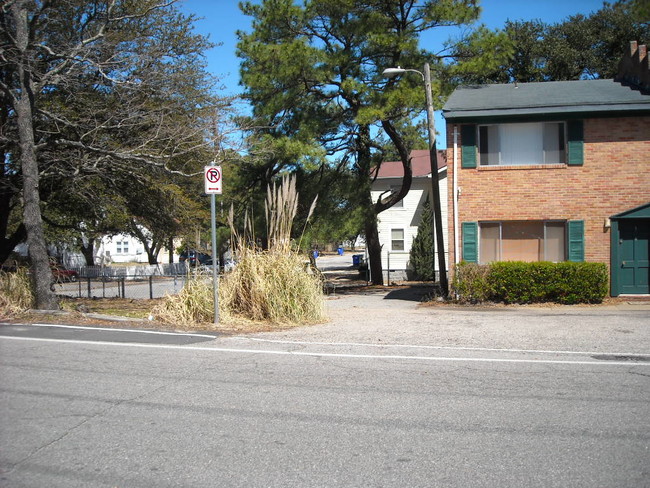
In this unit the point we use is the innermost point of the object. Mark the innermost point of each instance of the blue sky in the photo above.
(222, 18)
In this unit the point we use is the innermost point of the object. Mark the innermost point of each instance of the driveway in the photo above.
(398, 315)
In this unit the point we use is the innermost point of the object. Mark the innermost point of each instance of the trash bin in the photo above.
(340, 251)
(356, 259)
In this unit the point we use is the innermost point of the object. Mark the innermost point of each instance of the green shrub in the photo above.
(470, 284)
(566, 282)
(520, 282)
(421, 255)
(581, 283)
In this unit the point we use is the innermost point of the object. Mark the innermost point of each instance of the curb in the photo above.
(97, 316)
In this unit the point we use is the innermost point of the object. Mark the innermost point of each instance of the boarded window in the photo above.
(490, 243)
(522, 241)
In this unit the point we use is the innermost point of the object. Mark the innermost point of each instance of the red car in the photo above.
(62, 275)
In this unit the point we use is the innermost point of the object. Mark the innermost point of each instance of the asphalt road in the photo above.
(98, 410)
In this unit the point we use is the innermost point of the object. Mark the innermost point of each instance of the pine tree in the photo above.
(421, 255)
(313, 73)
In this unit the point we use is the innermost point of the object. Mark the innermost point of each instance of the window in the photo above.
(395, 189)
(522, 143)
(522, 241)
(397, 239)
(122, 247)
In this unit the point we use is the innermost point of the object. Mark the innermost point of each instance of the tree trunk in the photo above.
(89, 252)
(370, 222)
(41, 272)
(374, 252)
(152, 252)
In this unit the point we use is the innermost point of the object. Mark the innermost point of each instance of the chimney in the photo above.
(633, 67)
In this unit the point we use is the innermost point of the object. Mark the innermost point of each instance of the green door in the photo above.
(633, 255)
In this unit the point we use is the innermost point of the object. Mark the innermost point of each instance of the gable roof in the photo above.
(420, 164)
(641, 212)
(544, 98)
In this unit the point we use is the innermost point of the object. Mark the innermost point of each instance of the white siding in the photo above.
(113, 250)
(407, 218)
(132, 252)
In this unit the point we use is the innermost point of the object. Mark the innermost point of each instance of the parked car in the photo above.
(195, 257)
(62, 274)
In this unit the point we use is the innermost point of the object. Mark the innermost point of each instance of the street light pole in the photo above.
(435, 187)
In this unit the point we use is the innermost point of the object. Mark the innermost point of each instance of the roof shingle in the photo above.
(550, 97)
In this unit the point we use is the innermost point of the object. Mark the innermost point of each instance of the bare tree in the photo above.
(98, 89)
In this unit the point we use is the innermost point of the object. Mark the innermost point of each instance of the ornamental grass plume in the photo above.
(273, 285)
(193, 305)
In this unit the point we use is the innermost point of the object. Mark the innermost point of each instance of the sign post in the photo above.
(213, 184)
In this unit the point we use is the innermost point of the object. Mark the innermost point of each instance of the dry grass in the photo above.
(16, 295)
(271, 286)
(193, 305)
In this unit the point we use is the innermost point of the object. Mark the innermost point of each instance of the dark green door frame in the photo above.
(629, 251)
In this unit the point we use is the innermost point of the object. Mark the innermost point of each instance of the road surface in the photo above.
(105, 408)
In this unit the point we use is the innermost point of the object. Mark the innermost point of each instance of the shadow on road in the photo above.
(414, 293)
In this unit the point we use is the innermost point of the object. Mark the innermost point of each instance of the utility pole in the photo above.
(435, 187)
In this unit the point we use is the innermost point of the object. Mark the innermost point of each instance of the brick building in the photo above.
(554, 171)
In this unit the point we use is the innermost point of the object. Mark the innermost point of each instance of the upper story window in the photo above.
(522, 143)
(394, 189)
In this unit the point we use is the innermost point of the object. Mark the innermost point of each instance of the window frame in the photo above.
(483, 136)
(393, 190)
(545, 243)
(403, 239)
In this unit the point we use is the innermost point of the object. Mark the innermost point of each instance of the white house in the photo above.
(398, 225)
(123, 248)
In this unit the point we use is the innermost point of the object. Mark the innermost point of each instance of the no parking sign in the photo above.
(213, 179)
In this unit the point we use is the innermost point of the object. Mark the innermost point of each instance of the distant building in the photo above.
(398, 225)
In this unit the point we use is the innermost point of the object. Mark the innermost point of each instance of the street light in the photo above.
(433, 156)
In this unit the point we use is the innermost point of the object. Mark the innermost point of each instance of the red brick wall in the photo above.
(615, 177)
